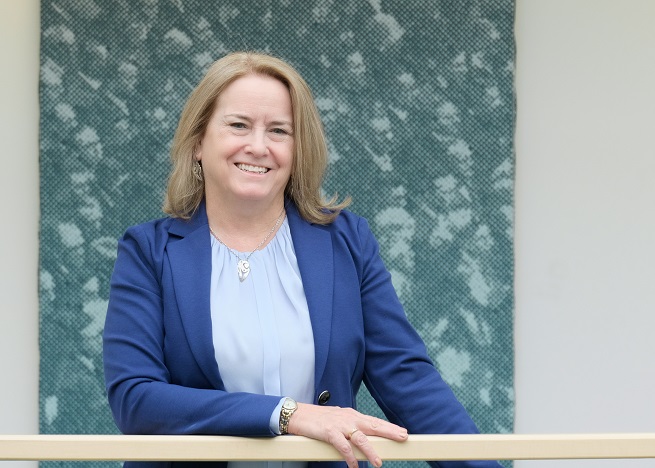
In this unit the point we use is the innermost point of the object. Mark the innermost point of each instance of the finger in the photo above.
(359, 440)
(381, 428)
(350, 434)
(345, 449)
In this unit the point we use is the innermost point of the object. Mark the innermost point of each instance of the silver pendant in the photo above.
(243, 269)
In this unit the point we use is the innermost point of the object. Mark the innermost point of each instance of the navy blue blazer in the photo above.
(160, 370)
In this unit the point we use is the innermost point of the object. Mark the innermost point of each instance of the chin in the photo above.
(256, 196)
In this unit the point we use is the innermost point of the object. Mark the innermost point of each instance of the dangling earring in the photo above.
(197, 170)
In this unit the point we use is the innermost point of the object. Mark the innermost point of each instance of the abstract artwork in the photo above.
(417, 100)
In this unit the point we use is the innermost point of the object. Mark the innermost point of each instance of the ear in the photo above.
(197, 153)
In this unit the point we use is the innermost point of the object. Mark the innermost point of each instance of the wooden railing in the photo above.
(418, 447)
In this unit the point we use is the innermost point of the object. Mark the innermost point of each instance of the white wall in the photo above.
(585, 219)
(19, 192)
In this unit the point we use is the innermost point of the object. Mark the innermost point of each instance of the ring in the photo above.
(350, 434)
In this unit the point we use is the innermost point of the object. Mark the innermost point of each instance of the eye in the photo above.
(238, 125)
(280, 133)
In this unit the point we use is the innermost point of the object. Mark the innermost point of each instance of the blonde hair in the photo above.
(185, 192)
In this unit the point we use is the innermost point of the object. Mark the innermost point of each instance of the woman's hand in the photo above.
(342, 427)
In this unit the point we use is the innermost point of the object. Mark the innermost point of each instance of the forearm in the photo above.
(150, 407)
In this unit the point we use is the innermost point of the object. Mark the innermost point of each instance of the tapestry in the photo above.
(417, 101)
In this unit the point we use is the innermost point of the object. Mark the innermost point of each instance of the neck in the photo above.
(243, 227)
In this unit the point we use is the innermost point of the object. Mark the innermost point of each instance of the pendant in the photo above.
(243, 269)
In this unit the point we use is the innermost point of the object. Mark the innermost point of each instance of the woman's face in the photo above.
(247, 149)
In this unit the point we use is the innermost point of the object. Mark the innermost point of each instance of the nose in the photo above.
(257, 146)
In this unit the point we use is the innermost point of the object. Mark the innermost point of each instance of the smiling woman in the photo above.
(297, 123)
(246, 152)
(190, 347)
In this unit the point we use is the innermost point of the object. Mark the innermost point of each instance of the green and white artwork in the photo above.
(418, 105)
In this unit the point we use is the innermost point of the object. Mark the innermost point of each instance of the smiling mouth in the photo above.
(253, 169)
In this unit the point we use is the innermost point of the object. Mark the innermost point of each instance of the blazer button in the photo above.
(323, 397)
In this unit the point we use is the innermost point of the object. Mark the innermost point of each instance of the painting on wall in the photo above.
(417, 101)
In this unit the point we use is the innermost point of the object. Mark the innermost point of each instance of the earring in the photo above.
(197, 170)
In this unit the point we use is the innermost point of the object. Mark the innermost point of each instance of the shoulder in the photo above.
(352, 232)
(147, 240)
(346, 225)
(349, 224)
(149, 230)
(153, 237)
(160, 229)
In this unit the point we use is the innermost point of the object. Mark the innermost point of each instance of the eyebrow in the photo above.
(274, 122)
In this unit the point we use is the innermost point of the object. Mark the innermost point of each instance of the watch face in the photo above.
(289, 404)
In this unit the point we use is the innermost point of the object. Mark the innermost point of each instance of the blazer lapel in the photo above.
(313, 246)
(190, 258)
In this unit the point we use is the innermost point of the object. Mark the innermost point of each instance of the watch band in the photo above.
(288, 408)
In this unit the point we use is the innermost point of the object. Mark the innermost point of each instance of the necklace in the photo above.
(243, 265)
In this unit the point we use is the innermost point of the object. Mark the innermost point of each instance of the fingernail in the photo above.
(403, 435)
(378, 462)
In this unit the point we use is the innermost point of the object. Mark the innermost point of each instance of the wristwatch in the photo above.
(288, 408)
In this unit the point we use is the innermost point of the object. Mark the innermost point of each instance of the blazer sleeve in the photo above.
(141, 396)
(398, 371)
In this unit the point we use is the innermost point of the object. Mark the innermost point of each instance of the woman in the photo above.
(257, 307)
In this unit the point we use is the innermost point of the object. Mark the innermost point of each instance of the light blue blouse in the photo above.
(261, 329)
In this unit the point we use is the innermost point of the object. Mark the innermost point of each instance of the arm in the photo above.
(143, 396)
(398, 372)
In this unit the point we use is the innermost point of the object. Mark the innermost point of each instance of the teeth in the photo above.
(249, 168)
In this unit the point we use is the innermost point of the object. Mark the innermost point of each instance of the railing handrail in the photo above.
(290, 448)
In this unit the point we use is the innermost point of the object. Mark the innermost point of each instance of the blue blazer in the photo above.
(160, 370)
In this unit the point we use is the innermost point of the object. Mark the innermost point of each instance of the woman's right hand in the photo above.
(343, 428)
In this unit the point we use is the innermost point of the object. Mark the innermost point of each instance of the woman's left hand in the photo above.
(343, 428)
